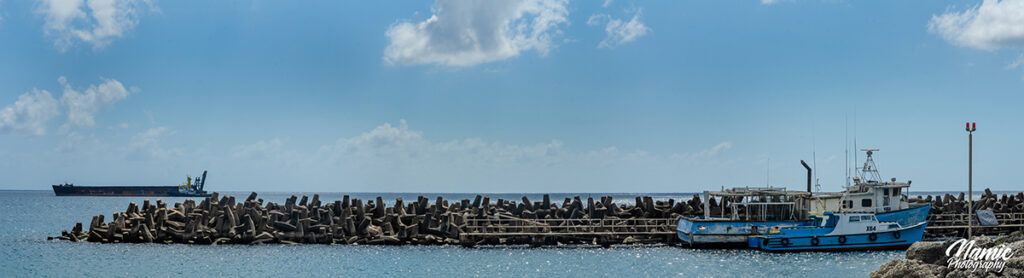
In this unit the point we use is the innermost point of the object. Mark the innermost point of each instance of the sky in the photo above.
(508, 96)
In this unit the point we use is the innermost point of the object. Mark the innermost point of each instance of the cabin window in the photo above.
(894, 226)
(865, 217)
(865, 203)
(885, 191)
(854, 219)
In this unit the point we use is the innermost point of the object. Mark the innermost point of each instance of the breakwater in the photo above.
(223, 220)
(468, 222)
(948, 216)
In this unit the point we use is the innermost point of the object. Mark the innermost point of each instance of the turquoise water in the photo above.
(28, 217)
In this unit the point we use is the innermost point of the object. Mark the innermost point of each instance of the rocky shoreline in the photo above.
(929, 259)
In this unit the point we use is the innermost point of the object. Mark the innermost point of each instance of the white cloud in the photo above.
(82, 107)
(399, 142)
(95, 22)
(598, 19)
(715, 150)
(259, 150)
(618, 31)
(607, 3)
(1016, 64)
(75, 142)
(29, 114)
(989, 26)
(466, 33)
(147, 145)
(769, 2)
(396, 157)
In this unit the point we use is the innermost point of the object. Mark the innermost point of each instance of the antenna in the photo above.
(846, 151)
(768, 176)
(814, 156)
(855, 134)
(870, 168)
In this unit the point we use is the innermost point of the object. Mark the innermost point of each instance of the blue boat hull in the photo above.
(882, 241)
(735, 234)
(725, 233)
(906, 217)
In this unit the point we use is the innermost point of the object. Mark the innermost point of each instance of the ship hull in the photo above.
(125, 191)
(701, 233)
(895, 240)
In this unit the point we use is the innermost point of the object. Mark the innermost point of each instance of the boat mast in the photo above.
(869, 172)
(846, 150)
(814, 156)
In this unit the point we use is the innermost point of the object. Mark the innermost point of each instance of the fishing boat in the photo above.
(840, 232)
(744, 212)
(888, 200)
(755, 211)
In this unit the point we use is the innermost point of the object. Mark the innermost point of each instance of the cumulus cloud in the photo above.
(991, 25)
(618, 31)
(32, 112)
(466, 33)
(94, 22)
(29, 114)
(82, 106)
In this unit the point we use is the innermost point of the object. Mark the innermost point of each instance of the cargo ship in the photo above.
(189, 189)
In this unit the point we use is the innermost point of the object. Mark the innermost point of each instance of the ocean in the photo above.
(30, 216)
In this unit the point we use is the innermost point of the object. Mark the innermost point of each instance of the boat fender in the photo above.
(785, 242)
(842, 239)
(764, 241)
(814, 241)
(896, 234)
(873, 237)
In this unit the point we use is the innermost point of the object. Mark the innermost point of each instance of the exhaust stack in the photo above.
(202, 183)
(808, 175)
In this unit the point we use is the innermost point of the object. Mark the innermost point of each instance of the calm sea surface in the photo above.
(28, 217)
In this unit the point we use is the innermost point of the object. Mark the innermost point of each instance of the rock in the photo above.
(928, 252)
(901, 268)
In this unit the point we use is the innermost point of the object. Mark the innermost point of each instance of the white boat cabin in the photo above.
(868, 194)
(856, 223)
(872, 196)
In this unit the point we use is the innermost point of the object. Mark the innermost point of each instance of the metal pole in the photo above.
(971, 127)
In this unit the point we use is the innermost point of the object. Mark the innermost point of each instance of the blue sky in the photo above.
(506, 96)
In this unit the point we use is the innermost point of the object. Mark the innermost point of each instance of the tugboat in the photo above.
(841, 232)
(188, 189)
